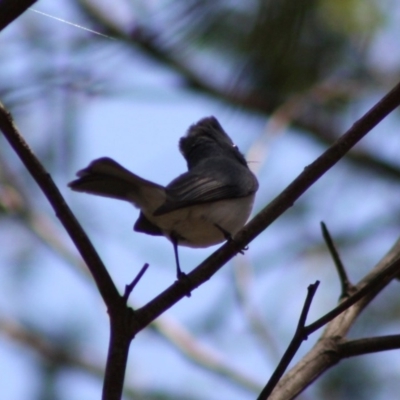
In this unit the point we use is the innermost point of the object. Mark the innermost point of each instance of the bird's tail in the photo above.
(105, 177)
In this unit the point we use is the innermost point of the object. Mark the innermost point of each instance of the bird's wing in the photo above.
(193, 188)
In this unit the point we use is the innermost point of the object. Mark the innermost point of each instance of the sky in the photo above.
(140, 127)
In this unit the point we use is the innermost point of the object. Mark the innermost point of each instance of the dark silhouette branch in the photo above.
(124, 323)
(100, 274)
(298, 338)
(131, 286)
(270, 213)
(356, 347)
(118, 350)
(119, 313)
(347, 287)
(12, 9)
(327, 351)
(371, 288)
(326, 135)
(46, 230)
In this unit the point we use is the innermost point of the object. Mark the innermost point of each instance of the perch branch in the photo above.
(102, 278)
(270, 213)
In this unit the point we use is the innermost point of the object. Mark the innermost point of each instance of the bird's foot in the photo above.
(183, 279)
(230, 238)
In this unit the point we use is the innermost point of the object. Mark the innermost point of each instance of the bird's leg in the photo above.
(179, 273)
(181, 276)
(175, 240)
(229, 237)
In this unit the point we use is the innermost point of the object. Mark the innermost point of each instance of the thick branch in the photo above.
(117, 358)
(270, 213)
(201, 274)
(205, 357)
(102, 278)
(12, 9)
(120, 314)
(327, 351)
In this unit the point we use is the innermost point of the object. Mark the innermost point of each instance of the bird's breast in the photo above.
(206, 224)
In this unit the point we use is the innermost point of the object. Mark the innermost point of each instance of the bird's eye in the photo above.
(235, 147)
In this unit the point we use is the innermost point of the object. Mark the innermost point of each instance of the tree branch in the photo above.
(131, 286)
(298, 338)
(120, 313)
(100, 274)
(351, 348)
(124, 324)
(327, 350)
(270, 213)
(372, 287)
(347, 287)
(12, 9)
(204, 356)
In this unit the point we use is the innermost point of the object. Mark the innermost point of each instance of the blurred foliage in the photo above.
(282, 47)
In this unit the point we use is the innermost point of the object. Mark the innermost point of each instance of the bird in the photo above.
(202, 207)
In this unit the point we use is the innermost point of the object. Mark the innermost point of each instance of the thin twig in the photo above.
(131, 286)
(347, 286)
(346, 348)
(298, 338)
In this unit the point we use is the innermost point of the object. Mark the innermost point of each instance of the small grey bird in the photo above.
(204, 206)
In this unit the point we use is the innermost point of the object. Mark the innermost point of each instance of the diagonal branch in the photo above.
(298, 338)
(356, 347)
(328, 350)
(100, 274)
(183, 341)
(125, 324)
(365, 290)
(12, 9)
(129, 288)
(347, 287)
(270, 213)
